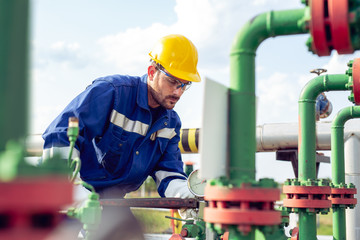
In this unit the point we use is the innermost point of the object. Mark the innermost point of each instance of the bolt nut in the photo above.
(324, 182)
(310, 182)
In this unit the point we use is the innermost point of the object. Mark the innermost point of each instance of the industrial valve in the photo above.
(334, 24)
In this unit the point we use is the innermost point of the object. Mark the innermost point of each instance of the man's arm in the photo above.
(92, 107)
(169, 175)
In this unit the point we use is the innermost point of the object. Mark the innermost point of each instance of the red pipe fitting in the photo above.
(31, 206)
(244, 207)
(329, 27)
(343, 196)
(356, 80)
(310, 197)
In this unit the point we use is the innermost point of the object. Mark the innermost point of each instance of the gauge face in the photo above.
(196, 184)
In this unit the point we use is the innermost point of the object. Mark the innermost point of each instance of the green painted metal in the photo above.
(307, 119)
(337, 142)
(242, 85)
(89, 214)
(242, 140)
(13, 70)
(338, 165)
(307, 139)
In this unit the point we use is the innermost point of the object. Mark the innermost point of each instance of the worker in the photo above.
(128, 129)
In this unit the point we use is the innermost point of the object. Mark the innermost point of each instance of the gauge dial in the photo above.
(196, 184)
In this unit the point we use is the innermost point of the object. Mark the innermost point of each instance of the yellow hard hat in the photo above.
(178, 55)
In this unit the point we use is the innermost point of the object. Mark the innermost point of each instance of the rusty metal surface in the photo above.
(171, 203)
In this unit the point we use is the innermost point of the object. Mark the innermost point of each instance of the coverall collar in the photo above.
(142, 96)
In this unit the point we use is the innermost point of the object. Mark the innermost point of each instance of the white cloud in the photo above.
(338, 63)
(277, 98)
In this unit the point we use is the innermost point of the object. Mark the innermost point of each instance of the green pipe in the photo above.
(307, 139)
(339, 223)
(337, 142)
(338, 164)
(242, 120)
(13, 69)
(307, 119)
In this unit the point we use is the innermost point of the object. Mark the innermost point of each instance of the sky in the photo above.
(74, 42)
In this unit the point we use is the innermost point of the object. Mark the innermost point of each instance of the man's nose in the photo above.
(178, 91)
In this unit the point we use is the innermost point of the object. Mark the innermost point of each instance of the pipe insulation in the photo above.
(269, 137)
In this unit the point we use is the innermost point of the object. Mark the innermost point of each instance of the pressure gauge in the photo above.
(196, 184)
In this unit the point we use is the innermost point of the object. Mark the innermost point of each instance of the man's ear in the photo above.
(151, 72)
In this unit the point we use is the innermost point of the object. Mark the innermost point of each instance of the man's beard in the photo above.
(157, 98)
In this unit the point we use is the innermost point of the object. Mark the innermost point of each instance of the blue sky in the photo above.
(75, 41)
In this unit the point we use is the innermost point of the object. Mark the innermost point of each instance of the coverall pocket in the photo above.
(113, 150)
(163, 142)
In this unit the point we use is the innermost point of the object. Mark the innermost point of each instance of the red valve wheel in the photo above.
(356, 80)
(317, 28)
(339, 26)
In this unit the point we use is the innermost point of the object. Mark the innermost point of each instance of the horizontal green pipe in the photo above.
(242, 119)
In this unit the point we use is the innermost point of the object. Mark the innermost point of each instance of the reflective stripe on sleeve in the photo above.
(62, 151)
(122, 121)
(166, 133)
(160, 175)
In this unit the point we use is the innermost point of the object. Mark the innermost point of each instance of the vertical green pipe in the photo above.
(14, 15)
(339, 223)
(337, 142)
(307, 138)
(338, 164)
(242, 119)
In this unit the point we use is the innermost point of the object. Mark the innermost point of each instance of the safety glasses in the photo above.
(175, 82)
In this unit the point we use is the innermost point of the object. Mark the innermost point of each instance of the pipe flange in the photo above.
(215, 193)
(356, 80)
(318, 28)
(242, 207)
(339, 26)
(343, 196)
(307, 197)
